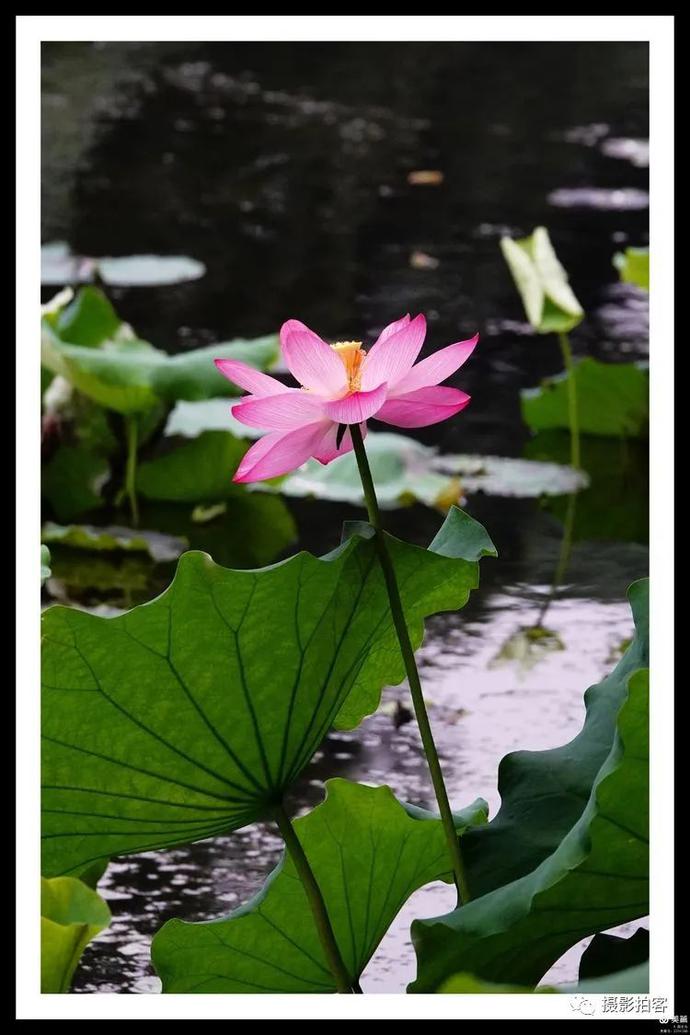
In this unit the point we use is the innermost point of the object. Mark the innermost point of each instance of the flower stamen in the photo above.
(352, 354)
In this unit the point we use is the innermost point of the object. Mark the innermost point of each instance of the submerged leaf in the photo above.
(72, 914)
(196, 711)
(368, 852)
(576, 821)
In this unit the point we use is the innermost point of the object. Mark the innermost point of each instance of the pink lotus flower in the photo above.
(341, 384)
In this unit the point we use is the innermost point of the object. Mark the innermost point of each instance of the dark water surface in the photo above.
(284, 168)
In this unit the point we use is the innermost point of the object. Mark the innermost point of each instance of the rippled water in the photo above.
(285, 169)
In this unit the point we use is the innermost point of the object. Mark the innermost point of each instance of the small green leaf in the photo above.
(368, 852)
(633, 266)
(88, 537)
(589, 850)
(189, 716)
(45, 564)
(72, 914)
(89, 320)
(542, 282)
(612, 399)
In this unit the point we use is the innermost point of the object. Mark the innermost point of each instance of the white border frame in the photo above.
(31, 30)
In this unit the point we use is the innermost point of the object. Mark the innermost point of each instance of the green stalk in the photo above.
(563, 557)
(407, 652)
(343, 981)
(131, 469)
(567, 354)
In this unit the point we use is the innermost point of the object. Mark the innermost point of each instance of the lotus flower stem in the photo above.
(131, 469)
(567, 354)
(343, 981)
(407, 652)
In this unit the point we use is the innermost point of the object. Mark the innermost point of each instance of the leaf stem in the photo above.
(567, 354)
(131, 469)
(407, 652)
(343, 981)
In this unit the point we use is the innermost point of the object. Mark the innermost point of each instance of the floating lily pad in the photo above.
(59, 266)
(511, 476)
(401, 468)
(88, 537)
(191, 419)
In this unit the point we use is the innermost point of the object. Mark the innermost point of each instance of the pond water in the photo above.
(286, 171)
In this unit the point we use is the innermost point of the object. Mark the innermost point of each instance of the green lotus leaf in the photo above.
(521, 919)
(612, 399)
(101, 357)
(72, 914)
(542, 282)
(609, 953)
(45, 564)
(633, 266)
(200, 469)
(368, 852)
(72, 481)
(631, 980)
(191, 715)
